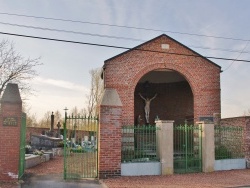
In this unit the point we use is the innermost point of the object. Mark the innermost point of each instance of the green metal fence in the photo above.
(228, 142)
(22, 147)
(187, 148)
(80, 147)
(139, 143)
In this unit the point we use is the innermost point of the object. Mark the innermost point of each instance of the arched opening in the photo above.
(174, 100)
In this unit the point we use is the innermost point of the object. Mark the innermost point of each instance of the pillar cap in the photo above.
(205, 122)
(11, 94)
(111, 98)
(164, 121)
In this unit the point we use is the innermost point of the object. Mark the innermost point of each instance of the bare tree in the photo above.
(31, 121)
(247, 113)
(45, 121)
(15, 68)
(74, 111)
(96, 91)
(83, 112)
(57, 117)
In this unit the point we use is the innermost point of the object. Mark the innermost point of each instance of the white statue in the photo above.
(147, 106)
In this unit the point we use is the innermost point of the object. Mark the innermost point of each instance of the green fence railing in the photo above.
(80, 147)
(22, 147)
(139, 143)
(228, 142)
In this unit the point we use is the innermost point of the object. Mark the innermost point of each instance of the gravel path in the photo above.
(233, 178)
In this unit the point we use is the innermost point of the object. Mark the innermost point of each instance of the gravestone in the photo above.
(44, 142)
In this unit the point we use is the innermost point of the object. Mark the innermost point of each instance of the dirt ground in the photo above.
(233, 178)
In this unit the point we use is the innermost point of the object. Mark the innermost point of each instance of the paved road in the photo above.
(56, 181)
(49, 175)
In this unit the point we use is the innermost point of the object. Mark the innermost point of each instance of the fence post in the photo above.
(208, 156)
(109, 146)
(164, 141)
(10, 127)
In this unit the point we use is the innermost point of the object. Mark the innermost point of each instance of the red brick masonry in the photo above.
(200, 93)
(123, 72)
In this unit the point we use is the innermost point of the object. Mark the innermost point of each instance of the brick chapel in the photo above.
(186, 83)
(159, 79)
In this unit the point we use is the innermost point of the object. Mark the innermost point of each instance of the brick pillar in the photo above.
(208, 156)
(10, 124)
(165, 144)
(247, 141)
(217, 119)
(109, 147)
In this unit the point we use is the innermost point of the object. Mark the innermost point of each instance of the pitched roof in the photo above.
(162, 35)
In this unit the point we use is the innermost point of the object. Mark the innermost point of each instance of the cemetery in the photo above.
(159, 115)
(43, 146)
(50, 143)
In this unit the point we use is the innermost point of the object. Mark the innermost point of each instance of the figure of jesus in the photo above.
(147, 106)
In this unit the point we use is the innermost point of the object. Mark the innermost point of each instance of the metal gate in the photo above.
(187, 148)
(80, 147)
(22, 146)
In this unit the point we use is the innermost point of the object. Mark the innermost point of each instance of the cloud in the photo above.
(55, 94)
(60, 83)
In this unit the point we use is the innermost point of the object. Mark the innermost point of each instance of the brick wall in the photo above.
(124, 71)
(243, 122)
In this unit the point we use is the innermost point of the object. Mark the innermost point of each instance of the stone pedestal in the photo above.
(208, 156)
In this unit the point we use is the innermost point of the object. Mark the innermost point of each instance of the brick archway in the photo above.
(188, 113)
(181, 70)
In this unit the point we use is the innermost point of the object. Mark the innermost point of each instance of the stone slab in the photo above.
(141, 169)
(229, 164)
(32, 160)
(47, 156)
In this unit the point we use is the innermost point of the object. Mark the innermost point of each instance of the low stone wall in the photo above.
(229, 164)
(34, 160)
(141, 169)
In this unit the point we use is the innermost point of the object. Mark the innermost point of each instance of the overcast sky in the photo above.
(64, 78)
